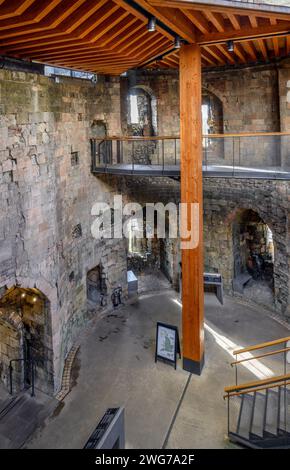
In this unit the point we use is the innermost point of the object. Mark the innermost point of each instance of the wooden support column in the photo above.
(191, 192)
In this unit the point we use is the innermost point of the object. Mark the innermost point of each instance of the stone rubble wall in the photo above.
(45, 202)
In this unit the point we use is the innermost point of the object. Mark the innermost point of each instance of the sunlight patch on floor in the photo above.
(254, 366)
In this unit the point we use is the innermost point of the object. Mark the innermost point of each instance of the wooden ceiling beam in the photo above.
(263, 48)
(216, 19)
(14, 8)
(253, 21)
(218, 8)
(276, 46)
(34, 15)
(244, 34)
(226, 53)
(216, 54)
(288, 45)
(197, 19)
(234, 21)
(173, 19)
(60, 14)
(240, 53)
(249, 48)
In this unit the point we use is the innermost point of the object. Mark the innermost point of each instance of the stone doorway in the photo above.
(254, 257)
(96, 287)
(25, 335)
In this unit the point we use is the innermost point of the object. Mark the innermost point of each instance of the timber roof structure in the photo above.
(111, 36)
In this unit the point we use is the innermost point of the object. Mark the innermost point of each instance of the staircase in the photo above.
(259, 412)
(21, 415)
(263, 420)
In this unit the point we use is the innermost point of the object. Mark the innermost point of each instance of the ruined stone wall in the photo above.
(47, 192)
(223, 200)
(250, 103)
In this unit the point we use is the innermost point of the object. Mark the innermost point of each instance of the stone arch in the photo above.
(212, 123)
(148, 102)
(254, 256)
(26, 334)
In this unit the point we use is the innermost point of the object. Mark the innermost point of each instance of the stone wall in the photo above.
(47, 192)
(224, 198)
(250, 103)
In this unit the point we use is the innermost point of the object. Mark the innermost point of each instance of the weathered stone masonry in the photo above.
(47, 189)
(46, 197)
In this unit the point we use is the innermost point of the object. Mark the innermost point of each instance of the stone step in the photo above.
(22, 417)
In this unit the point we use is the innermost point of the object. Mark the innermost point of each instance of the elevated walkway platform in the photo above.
(222, 171)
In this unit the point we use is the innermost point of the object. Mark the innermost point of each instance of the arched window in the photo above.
(142, 111)
(212, 123)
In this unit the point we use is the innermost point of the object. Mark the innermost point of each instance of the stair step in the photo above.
(245, 416)
(259, 415)
(284, 418)
(22, 417)
(9, 404)
(279, 442)
(272, 412)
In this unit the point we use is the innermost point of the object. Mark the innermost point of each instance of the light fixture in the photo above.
(177, 42)
(230, 46)
(23, 295)
(152, 24)
(34, 299)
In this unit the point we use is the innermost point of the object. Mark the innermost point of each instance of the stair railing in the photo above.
(257, 386)
(279, 381)
(284, 350)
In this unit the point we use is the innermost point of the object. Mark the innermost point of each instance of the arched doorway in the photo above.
(212, 123)
(96, 288)
(142, 121)
(254, 257)
(26, 339)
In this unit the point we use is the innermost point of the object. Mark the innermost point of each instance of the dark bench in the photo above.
(215, 280)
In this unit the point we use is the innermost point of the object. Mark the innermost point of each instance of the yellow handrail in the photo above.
(261, 346)
(205, 136)
(257, 389)
(260, 356)
(259, 383)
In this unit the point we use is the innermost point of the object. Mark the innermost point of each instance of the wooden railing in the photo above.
(205, 136)
(276, 386)
(260, 346)
(268, 344)
(258, 384)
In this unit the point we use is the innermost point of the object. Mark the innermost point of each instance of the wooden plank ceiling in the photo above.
(111, 36)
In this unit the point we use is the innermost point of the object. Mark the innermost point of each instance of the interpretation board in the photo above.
(167, 343)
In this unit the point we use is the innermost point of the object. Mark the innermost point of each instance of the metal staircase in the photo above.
(259, 412)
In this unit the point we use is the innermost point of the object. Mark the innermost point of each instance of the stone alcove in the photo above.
(25, 333)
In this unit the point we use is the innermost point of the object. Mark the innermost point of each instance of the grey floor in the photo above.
(115, 367)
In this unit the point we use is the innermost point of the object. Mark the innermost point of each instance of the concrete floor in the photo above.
(163, 407)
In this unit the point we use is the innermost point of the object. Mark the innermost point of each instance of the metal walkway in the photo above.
(221, 171)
